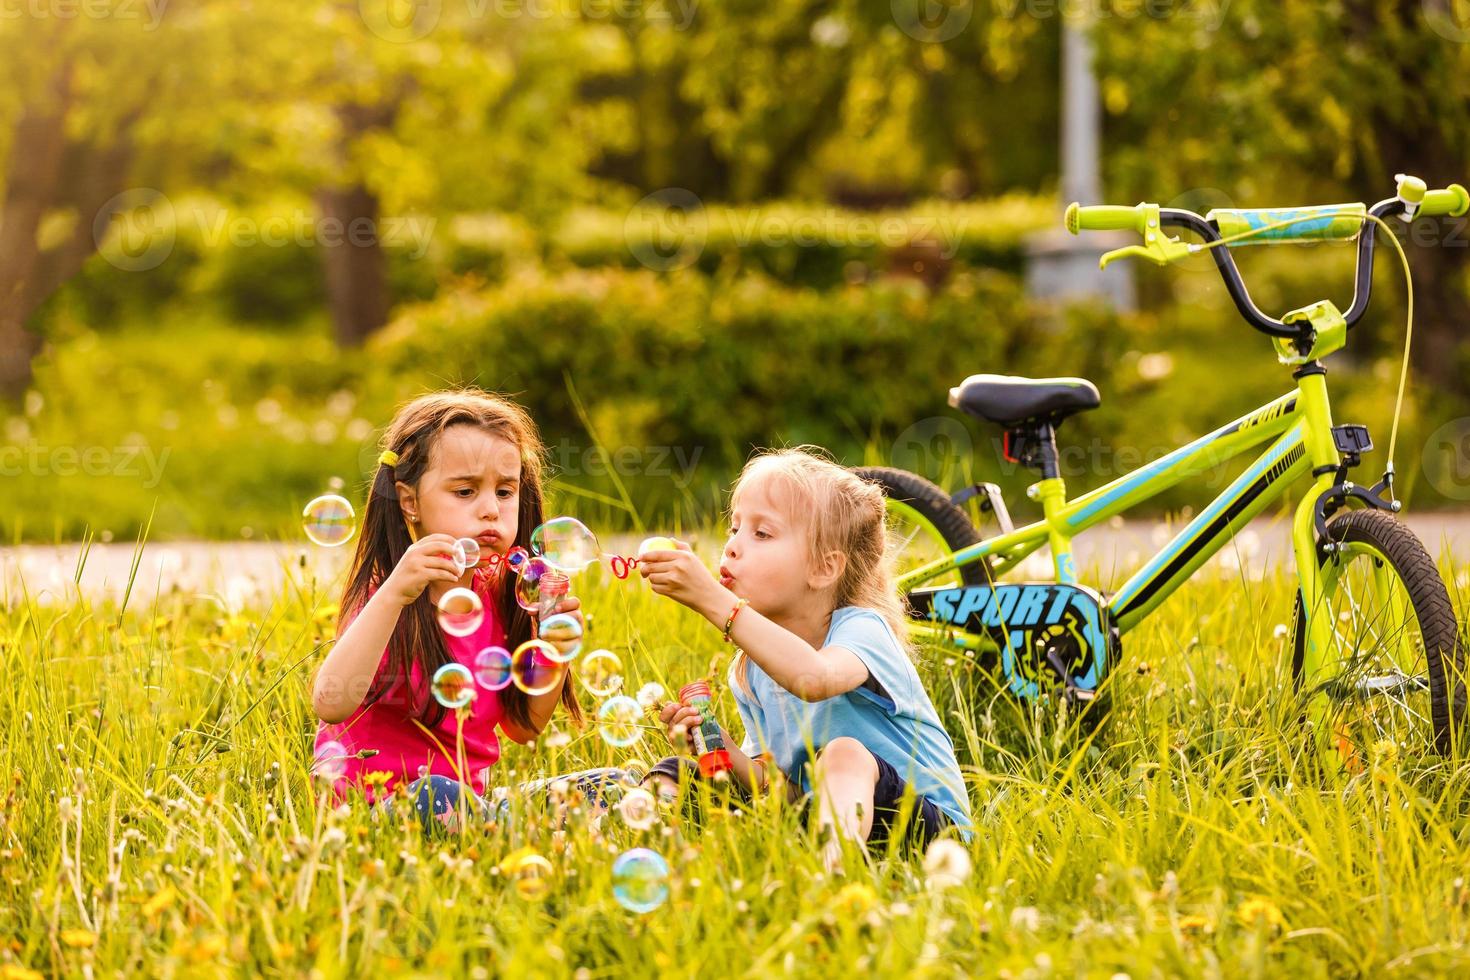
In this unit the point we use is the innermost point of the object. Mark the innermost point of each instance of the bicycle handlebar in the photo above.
(1329, 222)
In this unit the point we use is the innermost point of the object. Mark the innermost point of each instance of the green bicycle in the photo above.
(1376, 644)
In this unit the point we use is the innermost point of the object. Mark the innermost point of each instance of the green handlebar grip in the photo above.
(1453, 201)
(1330, 221)
(1102, 217)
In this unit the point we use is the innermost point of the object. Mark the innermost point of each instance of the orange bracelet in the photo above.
(730, 623)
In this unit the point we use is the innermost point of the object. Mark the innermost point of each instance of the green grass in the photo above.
(160, 821)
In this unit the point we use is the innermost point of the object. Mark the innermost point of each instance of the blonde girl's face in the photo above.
(767, 556)
(472, 489)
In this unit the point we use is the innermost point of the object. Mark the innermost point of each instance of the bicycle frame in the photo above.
(1298, 430)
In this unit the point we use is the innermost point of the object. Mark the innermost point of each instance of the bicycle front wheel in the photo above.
(1393, 670)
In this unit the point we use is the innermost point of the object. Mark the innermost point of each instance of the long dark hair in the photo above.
(416, 641)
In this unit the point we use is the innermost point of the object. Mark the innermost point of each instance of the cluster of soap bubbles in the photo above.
(640, 878)
(560, 548)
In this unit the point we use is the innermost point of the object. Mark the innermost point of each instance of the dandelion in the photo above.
(155, 905)
(78, 938)
(650, 694)
(1193, 924)
(1260, 913)
(855, 900)
(946, 864)
(1025, 918)
(638, 809)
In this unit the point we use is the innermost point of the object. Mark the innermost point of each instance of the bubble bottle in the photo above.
(709, 744)
(555, 586)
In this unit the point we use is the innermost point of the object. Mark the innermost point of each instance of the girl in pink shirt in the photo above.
(457, 464)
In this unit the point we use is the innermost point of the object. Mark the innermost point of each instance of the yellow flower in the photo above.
(1189, 924)
(1259, 912)
(78, 938)
(855, 899)
(377, 778)
(207, 949)
(10, 971)
(159, 902)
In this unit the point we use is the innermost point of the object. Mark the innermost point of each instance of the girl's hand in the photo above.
(570, 605)
(427, 560)
(681, 576)
(679, 720)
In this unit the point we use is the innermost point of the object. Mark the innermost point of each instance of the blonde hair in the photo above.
(841, 512)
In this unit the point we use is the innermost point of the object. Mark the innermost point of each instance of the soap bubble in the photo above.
(601, 673)
(567, 543)
(460, 612)
(564, 632)
(534, 669)
(467, 552)
(329, 520)
(638, 809)
(532, 875)
(492, 668)
(620, 719)
(541, 583)
(453, 686)
(657, 543)
(640, 880)
(329, 764)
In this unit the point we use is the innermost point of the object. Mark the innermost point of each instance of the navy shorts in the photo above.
(892, 798)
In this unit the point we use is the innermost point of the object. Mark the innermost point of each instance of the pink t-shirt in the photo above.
(405, 750)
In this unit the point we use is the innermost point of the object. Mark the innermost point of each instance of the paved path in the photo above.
(242, 573)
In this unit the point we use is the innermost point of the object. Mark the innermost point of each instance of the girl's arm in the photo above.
(348, 671)
(790, 661)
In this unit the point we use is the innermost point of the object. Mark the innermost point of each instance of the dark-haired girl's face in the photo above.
(472, 489)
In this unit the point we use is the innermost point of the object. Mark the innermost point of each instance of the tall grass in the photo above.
(160, 820)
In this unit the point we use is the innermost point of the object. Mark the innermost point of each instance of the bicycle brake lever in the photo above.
(1157, 247)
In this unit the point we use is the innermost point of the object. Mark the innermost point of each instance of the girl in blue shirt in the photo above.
(822, 676)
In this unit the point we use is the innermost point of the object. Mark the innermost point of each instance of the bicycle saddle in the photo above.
(1009, 400)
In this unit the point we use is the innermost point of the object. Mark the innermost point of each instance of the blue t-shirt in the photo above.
(898, 725)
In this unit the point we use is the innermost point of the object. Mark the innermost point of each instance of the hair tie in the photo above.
(388, 457)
